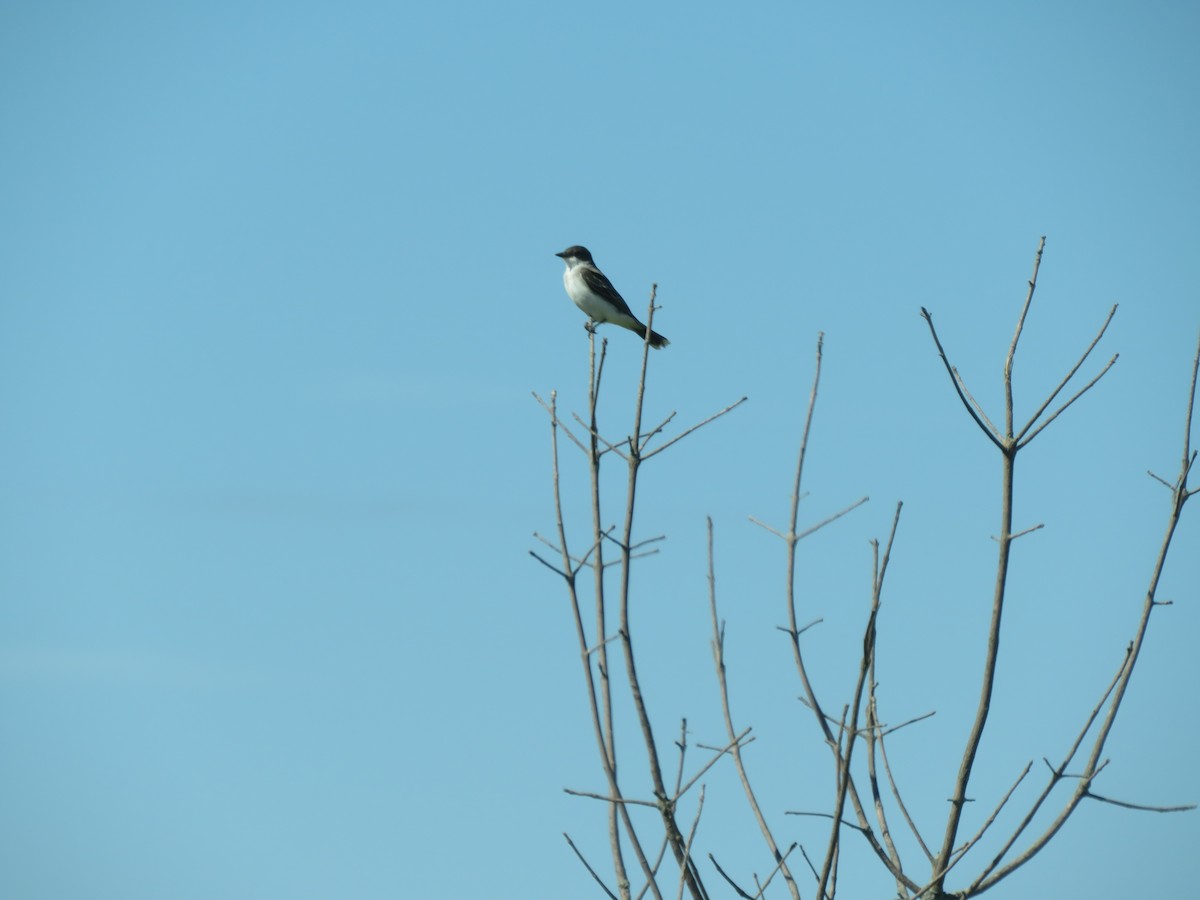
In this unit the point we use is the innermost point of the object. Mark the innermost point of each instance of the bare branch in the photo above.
(587, 866)
(555, 420)
(599, 684)
(658, 785)
(811, 867)
(1062, 384)
(651, 883)
(734, 747)
(887, 768)
(745, 742)
(644, 439)
(779, 866)
(813, 529)
(1163, 482)
(831, 519)
(687, 847)
(889, 729)
(1008, 447)
(844, 757)
(608, 445)
(971, 397)
(729, 880)
(679, 437)
(1083, 390)
(962, 851)
(1012, 350)
(812, 406)
(580, 562)
(761, 524)
(603, 643)
(1117, 690)
(1139, 806)
(547, 542)
(868, 677)
(994, 438)
(1020, 534)
(791, 540)
(606, 799)
(654, 540)
(799, 632)
(735, 744)
(1055, 777)
(653, 552)
(552, 568)
(824, 815)
(682, 745)
(1191, 406)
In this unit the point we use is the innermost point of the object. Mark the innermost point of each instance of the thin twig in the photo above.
(730, 881)
(644, 439)
(925, 314)
(687, 847)
(679, 437)
(608, 445)
(887, 768)
(601, 697)
(655, 866)
(1140, 806)
(1019, 534)
(682, 745)
(666, 809)
(588, 866)
(591, 795)
(761, 524)
(823, 815)
(654, 540)
(975, 403)
(799, 632)
(962, 851)
(1012, 349)
(555, 569)
(811, 867)
(890, 729)
(1188, 456)
(1117, 689)
(1062, 384)
(844, 757)
(1055, 775)
(737, 742)
(735, 748)
(791, 540)
(879, 571)
(1008, 449)
(831, 519)
(556, 421)
(745, 741)
(1083, 390)
(779, 866)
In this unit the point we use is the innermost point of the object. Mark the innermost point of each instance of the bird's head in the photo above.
(575, 255)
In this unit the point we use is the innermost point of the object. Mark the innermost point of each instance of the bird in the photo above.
(595, 295)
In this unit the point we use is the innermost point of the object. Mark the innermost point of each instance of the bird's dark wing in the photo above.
(599, 284)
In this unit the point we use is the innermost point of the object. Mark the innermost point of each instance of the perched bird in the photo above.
(595, 295)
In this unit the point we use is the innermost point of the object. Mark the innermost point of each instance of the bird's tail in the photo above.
(657, 341)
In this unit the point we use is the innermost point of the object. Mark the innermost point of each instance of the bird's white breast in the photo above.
(578, 291)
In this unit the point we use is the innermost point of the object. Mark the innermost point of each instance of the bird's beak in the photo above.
(562, 255)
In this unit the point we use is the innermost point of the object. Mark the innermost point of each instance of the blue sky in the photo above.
(277, 280)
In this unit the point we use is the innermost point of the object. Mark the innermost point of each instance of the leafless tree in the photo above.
(867, 799)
